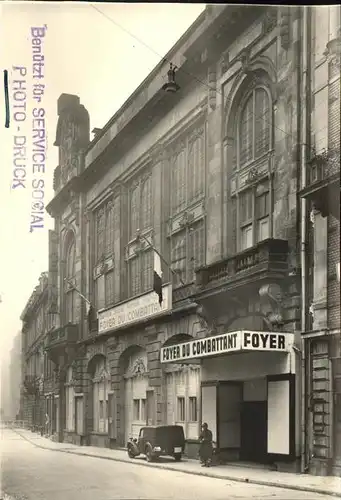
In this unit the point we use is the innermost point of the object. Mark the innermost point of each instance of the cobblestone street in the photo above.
(32, 473)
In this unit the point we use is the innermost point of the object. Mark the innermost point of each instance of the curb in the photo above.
(193, 473)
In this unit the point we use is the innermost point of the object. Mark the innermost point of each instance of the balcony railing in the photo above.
(270, 255)
(62, 336)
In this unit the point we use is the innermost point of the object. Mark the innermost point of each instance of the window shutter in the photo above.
(262, 123)
(109, 288)
(334, 121)
(196, 251)
(146, 204)
(196, 169)
(100, 234)
(134, 211)
(245, 134)
(179, 183)
(109, 230)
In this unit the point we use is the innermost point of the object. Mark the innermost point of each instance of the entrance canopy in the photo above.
(232, 342)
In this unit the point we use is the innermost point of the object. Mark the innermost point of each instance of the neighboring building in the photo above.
(321, 196)
(5, 393)
(37, 321)
(210, 176)
(15, 378)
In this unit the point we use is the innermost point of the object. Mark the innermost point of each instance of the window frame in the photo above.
(70, 295)
(182, 221)
(247, 177)
(181, 408)
(70, 402)
(192, 399)
(251, 93)
(100, 391)
(104, 262)
(141, 251)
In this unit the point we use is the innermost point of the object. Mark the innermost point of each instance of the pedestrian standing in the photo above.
(206, 446)
(47, 424)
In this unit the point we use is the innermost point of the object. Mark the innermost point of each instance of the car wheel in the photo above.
(149, 453)
(130, 453)
(177, 457)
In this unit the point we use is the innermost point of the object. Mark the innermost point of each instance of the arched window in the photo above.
(254, 127)
(253, 141)
(70, 274)
(69, 402)
(100, 386)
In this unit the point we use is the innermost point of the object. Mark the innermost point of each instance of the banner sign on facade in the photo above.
(135, 310)
(227, 343)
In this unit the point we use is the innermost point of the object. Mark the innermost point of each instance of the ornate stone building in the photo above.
(207, 170)
(321, 237)
(36, 323)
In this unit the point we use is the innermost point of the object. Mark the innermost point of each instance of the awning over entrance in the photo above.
(232, 342)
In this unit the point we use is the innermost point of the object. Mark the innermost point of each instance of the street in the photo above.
(31, 473)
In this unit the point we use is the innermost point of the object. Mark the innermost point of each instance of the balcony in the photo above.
(323, 183)
(31, 385)
(58, 341)
(266, 260)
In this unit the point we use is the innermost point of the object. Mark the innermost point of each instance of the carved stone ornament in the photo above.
(253, 175)
(212, 87)
(272, 297)
(92, 350)
(138, 369)
(245, 60)
(103, 376)
(225, 63)
(186, 219)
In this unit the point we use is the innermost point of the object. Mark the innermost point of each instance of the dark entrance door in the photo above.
(253, 431)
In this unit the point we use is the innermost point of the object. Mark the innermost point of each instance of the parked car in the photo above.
(156, 441)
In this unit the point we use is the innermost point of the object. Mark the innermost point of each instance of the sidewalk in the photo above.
(301, 482)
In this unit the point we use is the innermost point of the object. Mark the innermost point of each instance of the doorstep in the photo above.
(330, 486)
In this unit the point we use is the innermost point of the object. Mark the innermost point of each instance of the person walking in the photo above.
(206, 446)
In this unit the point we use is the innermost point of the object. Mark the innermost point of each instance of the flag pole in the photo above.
(139, 235)
(79, 293)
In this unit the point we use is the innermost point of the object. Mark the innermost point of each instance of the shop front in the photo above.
(247, 392)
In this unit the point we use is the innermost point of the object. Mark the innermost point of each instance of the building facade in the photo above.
(321, 235)
(37, 321)
(209, 174)
(15, 379)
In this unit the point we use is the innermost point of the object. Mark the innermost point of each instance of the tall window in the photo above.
(187, 191)
(101, 383)
(140, 218)
(70, 274)
(69, 401)
(254, 134)
(254, 139)
(106, 218)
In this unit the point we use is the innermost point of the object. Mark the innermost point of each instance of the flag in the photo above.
(157, 285)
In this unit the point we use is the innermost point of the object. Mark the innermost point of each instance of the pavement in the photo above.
(31, 472)
(326, 486)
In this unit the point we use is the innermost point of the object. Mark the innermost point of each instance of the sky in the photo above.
(88, 52)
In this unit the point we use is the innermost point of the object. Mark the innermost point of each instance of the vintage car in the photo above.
(156, 441)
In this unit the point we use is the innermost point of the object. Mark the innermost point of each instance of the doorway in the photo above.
(253, 420)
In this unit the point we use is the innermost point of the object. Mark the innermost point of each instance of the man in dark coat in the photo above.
(206, 446)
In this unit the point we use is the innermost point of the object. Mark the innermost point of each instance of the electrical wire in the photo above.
(165, 59)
